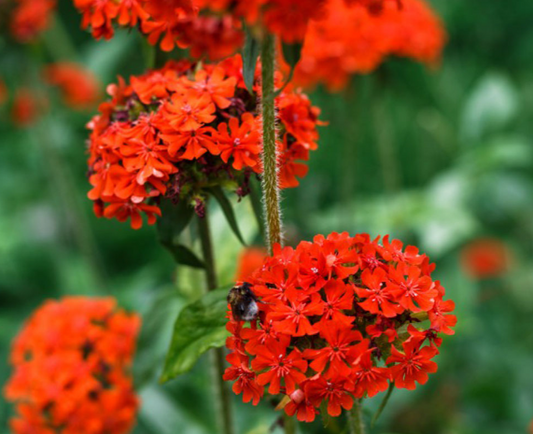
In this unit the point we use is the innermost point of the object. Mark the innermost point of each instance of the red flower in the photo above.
(335, 388)
(412, 365)
(293, 319)
(485, 258)
(177, 131)
(281, 366)
(329, 312)
(246, 379)
(340, 338)
(250, 259)
(412, 290)
(301, 406)
(79, 87)
(378, 296)
(355, 37)
(72, 363)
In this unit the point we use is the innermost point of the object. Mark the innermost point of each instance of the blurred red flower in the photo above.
(250, 259)
(30, 18)
(337, 322)
(72, 365)
(485, 258)
(27, 106)
(79, 86)
(351, 40)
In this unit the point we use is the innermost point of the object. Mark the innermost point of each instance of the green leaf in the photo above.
(250, 54)
(183, 255)
(199, 327)
(173, 221)
(225, 204)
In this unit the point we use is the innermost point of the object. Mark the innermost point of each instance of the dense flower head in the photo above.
(340, 318)
(174, 132)
(72, 365)
(486, 258)
(353, 40)
(79, 87)
(29, 18)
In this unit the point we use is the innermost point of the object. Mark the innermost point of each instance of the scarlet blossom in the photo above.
(30, 18)
(72, 369)
(354, 38)
(413, 365)
(485, 258)
(340, 318)
(177, 131)
(79, 87)
(250, 259)
(27, 106)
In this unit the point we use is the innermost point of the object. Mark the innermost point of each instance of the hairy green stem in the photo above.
(355, 417)
(221, 392)
(270, 175)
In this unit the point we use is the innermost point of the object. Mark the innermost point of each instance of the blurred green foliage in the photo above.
(437, 158)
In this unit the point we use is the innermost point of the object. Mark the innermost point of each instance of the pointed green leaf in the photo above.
(199, 327)
(183, 255)
(225, 204)
(250, 53)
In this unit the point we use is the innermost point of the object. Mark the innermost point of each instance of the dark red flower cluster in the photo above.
(340, 318)
(183, 128)
(79, 87)
(352, 40)
(71, 369)
(30, 18)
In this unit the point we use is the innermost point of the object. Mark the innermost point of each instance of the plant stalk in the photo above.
(355, 418)
(271, 198)
(221, 392)
(382, 405)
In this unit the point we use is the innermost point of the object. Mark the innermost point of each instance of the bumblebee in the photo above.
(243, 303)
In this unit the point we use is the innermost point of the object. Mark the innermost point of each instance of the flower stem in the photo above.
(355, 417)
(270, 176)
(289, 424)
(383, 404)
(221, 392)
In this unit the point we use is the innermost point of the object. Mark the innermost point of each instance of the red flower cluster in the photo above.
(170, 22)
(79, 87)
(352, 40)
(72, 362)
(339, 319)
(183, 128)
(30, 18)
